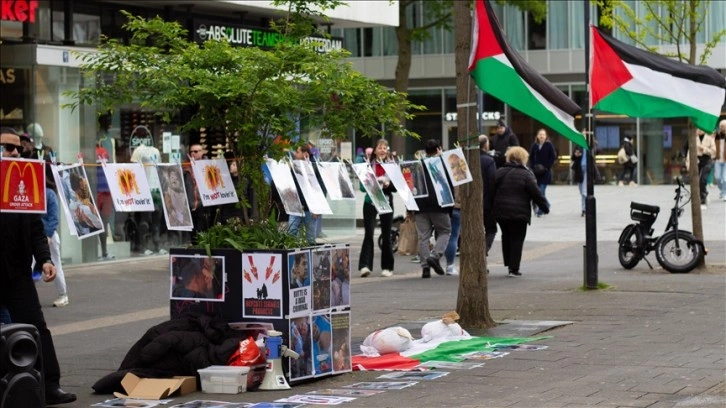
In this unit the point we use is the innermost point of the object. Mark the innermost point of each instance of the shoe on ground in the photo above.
(364, 272)
(425, 273)
(620, 183)
(62, 301)
(107, 257)
(633, 184)
(386, 273)
(163, 251)
(435, 265)
(514, 274)
(55, 396)
(148, 252)
(416, 259)
(704, 207)
(451, 271)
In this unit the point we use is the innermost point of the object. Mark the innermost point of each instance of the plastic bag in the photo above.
(446, 327)
(248, 354)
(622, 156)
(389, 340)
(408, 237)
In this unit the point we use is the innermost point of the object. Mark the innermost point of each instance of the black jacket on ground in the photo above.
(176, 347)
(515, 191)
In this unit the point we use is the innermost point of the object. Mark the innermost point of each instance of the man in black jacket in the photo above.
(488, 177)
(502, 140)
(21, 238)
(432, 217)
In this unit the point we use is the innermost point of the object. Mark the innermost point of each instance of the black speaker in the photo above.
(21, 367)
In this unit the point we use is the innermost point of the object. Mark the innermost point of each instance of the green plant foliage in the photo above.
(240, 236)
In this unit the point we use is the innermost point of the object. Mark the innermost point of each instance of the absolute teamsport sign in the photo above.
(256, 37)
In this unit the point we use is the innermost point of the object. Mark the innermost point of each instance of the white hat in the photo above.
(35, 130)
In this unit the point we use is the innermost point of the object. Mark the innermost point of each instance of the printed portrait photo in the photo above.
(174, 197)
(301, 342)
(456, 166)
(197, 278)
(78, 201)
(321, 279)
(340, 278)
(415, 177)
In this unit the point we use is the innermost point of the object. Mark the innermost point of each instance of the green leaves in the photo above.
(256, 235)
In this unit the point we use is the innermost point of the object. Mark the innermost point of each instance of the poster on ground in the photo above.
(214, 182)
(262, 285)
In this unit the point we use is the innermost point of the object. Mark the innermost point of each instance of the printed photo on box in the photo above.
(393, 171)
(341, 341)
(262, 285)
(340, 277)
(456, 166)
(22, 185)
(336, 180)
(129, 187)
(370, 183)
(285, 186)
(176, 205)
(413, 173)
(214, 182)
(322, 345)
(301, 342)
(438, 178)
(197, 278)
(77, 201)
(298, 265)
(321, 279)
(311, 190)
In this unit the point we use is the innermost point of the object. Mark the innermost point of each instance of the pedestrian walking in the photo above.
(705, 151)
(488, 177)
(578, 164)
(542, 156)
(516, 189)
(453, 246)
(629, 160)
(719, 162)
(501, 141)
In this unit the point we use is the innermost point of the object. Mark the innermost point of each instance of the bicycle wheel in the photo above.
(629, 250)
(679, 255)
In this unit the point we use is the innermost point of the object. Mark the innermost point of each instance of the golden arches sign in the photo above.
(6, 184)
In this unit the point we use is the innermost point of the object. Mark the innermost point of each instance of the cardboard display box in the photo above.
(156, 388)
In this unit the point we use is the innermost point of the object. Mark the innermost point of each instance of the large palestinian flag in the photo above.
(499, 71)
(638, 83)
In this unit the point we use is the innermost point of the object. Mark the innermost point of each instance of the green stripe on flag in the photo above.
(639, 105)
(451, 350)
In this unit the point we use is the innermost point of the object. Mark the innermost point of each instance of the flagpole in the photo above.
(591, 256)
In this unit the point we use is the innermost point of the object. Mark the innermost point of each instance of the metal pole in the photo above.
(591, 260)
(480, 110)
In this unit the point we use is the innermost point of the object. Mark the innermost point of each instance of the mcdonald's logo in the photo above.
(21, 173)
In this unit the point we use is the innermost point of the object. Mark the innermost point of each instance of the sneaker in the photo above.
(416, 259)
(620, 183)
(435, 265)
(633, 184)
(704, 207)
(451, 271)
(163, 251)
(364, 271)
(386, 273)
(62, 301)
(106, 257)
(148, 252)
(514, 274)
(425, 273)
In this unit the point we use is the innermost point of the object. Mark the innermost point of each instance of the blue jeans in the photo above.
(450, 252)
(542, 188)
(294, 223)
(719, 176)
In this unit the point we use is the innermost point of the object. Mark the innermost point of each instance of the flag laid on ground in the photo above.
(499, 71)
(639, 83)
(435, 350)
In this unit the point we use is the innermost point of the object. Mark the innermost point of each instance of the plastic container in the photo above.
(224, 379)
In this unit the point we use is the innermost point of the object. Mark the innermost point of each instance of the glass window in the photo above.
(653, 26)
(716, 22)
(367, 42)
(577, 24)
(86, 28)
(377, 41)
(537, 33)
(557, 25)
(433, 43)
(619, 12)
(390, 41)
(352, 41)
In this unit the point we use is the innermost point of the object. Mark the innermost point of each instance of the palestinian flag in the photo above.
(499, 71)
(634, 82)
(441, 350)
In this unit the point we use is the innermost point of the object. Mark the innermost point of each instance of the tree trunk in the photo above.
(472, 302)
(403, 70)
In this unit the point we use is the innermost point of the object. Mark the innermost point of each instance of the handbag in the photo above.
(622, 156)
(539, 169)
(633, 158)
(408, 237)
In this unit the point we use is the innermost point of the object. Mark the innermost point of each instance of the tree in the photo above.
(669, 22)
(258, 96)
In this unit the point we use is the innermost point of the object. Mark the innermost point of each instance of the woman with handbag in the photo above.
(542, 157)
(629, 163)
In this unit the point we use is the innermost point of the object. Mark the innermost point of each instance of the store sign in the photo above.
(19, 10)
(256, 37)
(452, 116)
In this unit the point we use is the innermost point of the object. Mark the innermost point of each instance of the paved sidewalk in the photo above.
(654, 339)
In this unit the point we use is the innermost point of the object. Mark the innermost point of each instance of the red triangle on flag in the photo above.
(485, 41)
(608, 72)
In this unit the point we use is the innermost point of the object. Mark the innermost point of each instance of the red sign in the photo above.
(22, 185)
(19, 10)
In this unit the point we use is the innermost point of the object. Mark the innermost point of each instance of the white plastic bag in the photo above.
(389, 340)
(446, 327)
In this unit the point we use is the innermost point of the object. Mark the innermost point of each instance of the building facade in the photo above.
(40, 49)
(555, 48)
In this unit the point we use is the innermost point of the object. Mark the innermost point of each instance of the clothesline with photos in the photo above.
(143, 187)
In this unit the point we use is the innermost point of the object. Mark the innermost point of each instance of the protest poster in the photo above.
(214, 183)
(22, 185)
(129, 187)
